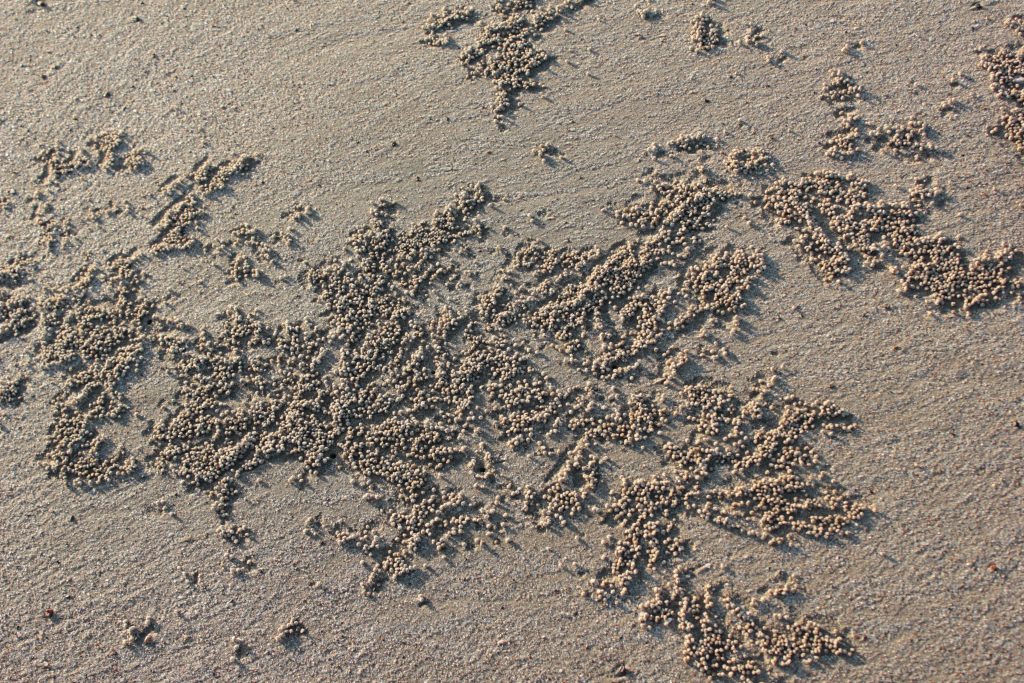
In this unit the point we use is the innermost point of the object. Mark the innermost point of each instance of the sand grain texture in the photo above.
(511, 341)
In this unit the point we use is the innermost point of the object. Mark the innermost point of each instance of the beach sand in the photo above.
(544, 341)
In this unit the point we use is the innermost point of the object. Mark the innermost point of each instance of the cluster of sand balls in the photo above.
(646, 515)
(687, 142)
(647, 11)
(597, 420)
(728, 641)
(504, 51)
(750, 162)
(112, 152)
(109, 151)
(907, 139)
(758, 452)
(96, 330)
(236, 534)
(408, 394)
(12, 391)
(762, 443)
(15, 270)
(717, 285)
(248, 394)
(399, 391)
(60, 162)
(841, 90)
(677, 207)
(176, 221)
(18, 315)
(290, 631)
(750, 466)
(566, 495)
(1005, 66)
(440, 22)
(709, 644)
(249, 250)
(144, 633)
(410, 259)
(545, 151)
(755, 37)
(833, 217)
(706, 33)
(54, 230)
(846, 140)
(256, 392)
(602, 307)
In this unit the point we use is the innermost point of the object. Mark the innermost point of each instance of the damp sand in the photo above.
(514, 341)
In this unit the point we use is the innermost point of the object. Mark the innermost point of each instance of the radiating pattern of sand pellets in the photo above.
(400, 389)
(416, 369)
(373, 338)
(833, 221)
(836, 223)
(177, 220)
(109, 151)
(605, 309)
(505, 50)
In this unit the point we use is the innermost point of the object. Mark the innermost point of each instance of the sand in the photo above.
(518, 341)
